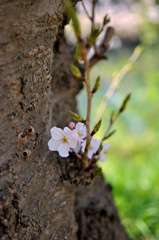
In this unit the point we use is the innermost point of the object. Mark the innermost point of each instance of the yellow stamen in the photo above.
(64, 140)
(79, 134)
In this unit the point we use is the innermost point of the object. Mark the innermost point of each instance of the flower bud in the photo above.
(30, 131)
(76, 72)
(72, 125)
(76, 117)
(22, 138)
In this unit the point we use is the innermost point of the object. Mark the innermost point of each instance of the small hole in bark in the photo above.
(30, 131)
(26, 153)
(22, 139)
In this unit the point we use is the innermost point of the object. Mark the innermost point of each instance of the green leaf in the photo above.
(76, 117)
(73, 15)
(95, 32)
(97, 84)
(78, 52)
(96, 128)
(76, 72)
(124, 103)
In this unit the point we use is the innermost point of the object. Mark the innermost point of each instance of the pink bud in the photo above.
(72, 125)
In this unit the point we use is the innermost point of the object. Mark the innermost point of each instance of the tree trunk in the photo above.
(37, 91)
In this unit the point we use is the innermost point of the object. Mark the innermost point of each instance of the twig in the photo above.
(93, 19)
(85, 9)
(113, 119)
(110, 126)
(89, 100)
(77, 155)
(93, 10)
(100, 54)
(115, 82)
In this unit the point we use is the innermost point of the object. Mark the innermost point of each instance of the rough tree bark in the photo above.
(37, 187)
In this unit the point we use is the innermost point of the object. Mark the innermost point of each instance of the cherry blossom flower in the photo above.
(81, 131)
(94, 145)
(102, 156)
(62, 140)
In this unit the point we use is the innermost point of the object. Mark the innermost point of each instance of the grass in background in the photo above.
(133, 158)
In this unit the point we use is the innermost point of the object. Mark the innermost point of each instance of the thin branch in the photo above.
(115, 82)
(85, 9)
(89, 100)
(93, 19)
(77, 155)
(93, 10)
(110, 126)
(100, 54)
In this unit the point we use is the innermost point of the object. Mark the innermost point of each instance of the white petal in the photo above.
(105, 147)
(53, 144)
(77, 149)
(95, 143)
(83, 145)
(84, 132)
(72, 140)
(102, 157)
(56, 133)
(80, 127)
(71, 136)
(90, 154)
(67, 132)
(63, 150)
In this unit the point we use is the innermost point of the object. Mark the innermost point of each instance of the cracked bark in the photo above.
(37, 89)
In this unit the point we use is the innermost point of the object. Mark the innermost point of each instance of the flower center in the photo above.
(64, 140)
(79, 134)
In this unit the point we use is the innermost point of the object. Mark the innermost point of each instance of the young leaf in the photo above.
(78, 52)
(75, 22)
(124, 103)
(76, 72)
(76, 117)
(105, 20)
(95, 32)
(96, 128)
(97, 84)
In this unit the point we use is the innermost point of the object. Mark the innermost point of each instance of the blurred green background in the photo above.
(133, 158)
